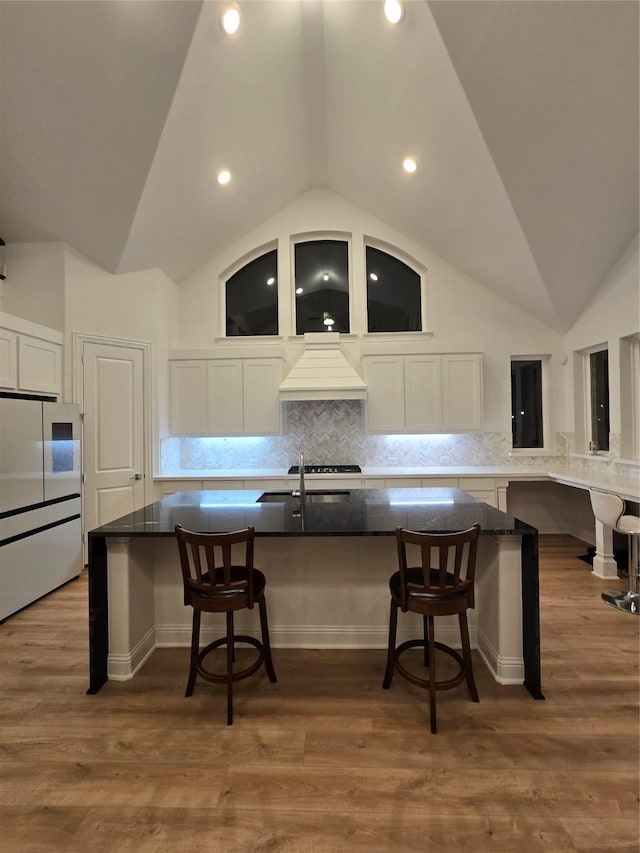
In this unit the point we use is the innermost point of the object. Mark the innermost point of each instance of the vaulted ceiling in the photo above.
(523, 116)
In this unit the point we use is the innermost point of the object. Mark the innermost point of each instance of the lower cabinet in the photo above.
(225, 397)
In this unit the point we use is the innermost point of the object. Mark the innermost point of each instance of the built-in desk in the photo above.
(327, 567)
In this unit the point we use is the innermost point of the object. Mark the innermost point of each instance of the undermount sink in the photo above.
(311, 497)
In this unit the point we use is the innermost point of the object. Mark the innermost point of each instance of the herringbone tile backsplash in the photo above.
(333, 432)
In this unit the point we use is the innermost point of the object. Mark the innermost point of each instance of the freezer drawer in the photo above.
(37, 564)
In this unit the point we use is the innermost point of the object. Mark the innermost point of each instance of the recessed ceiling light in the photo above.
(394, 10)
(409, 165)
(271, 280)
(230, 18)
(325, 277)
(224, 176)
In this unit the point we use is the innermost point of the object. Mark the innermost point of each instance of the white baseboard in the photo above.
(124, 667)
(504, 670)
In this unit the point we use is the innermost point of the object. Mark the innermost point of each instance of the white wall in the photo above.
(136, 306)
(613, 313)
(34, 287)
(462, 313)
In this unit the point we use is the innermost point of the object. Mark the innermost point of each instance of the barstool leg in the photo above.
(432, 675)
(195, 648)
(268, 663)
(230, 668)
(391, 652)
(629, 601)
(425, 632)
(466, 657)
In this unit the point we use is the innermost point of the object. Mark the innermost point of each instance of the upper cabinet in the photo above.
(30, 357)
(225, 397)
(424, 393)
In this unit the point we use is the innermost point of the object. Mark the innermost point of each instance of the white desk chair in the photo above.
(609, 509)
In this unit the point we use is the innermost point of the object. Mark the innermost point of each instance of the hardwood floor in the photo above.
(325, 760)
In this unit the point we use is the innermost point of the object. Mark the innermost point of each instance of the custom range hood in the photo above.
(322, 372)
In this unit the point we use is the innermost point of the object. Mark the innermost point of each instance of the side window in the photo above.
(251, 298)
(322, 286)
(598, 400)
(630, 397)
(529, 403)
(394, 301)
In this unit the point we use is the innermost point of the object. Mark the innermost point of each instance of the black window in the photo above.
(526, 403)
(599, 384)
(322, 286)
(393, 294)
(252, 298)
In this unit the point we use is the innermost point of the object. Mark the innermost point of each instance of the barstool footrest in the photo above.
(239, 675)
(446, 684)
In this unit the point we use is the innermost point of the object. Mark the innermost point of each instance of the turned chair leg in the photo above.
(268, 662)
(432, 674)
(391, 652)
(466, 656)
(195, 648)
(230, 656)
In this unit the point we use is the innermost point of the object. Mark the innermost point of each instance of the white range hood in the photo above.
(322, 372)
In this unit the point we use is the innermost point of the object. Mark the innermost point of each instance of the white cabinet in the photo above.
(461, 392)
(188, 397)
(8, 359)
(225, 397)
(30, 362)
(424, 393)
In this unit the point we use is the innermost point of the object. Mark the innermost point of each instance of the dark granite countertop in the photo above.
(358, 512)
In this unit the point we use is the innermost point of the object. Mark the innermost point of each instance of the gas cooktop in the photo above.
(326, 469)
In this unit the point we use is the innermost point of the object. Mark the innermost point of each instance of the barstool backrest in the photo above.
(607, 508)
(212, 579)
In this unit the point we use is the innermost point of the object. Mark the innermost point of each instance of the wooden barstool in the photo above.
(442, 587)
(214, 584)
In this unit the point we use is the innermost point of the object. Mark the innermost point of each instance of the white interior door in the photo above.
(114, 431)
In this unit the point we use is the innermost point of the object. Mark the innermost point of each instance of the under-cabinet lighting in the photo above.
(436, 502)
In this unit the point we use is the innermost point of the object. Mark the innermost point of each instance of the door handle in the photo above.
(136, 477)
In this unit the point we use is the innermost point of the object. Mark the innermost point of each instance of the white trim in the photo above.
(124, 667)
(505, 670)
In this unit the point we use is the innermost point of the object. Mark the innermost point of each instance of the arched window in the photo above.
(394, 302)
(322, 286)
(251, 297)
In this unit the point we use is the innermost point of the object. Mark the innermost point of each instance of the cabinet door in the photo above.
(188, 397)
(225, 397)
(8, 359)
(422, 393)
(385, 394)
(261, 399)
(461, 392)
(39, 365)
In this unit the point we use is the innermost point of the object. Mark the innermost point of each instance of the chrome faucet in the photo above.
(300, 492)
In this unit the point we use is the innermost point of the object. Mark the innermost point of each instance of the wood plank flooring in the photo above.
(325, 760)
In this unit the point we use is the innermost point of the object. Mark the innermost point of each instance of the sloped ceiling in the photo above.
(116, 116)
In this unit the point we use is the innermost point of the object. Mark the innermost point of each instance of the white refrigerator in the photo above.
(40, 503)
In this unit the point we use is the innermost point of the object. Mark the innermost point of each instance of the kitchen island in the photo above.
(327, 560)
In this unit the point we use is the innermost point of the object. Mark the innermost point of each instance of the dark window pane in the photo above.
(526, 404)
(252, 298)
(322, 286)
(393, 294)
(599, 367)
